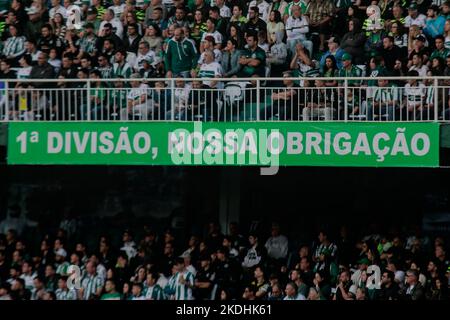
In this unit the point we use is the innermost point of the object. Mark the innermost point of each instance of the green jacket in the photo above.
(180, 56)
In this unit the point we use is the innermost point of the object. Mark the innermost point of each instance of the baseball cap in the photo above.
(364, 261)
(210, 38)
(92, 10)
(421, 38)
(31, 10)
(61, 252)
(346, 56)
(185, 254)
(412, 6)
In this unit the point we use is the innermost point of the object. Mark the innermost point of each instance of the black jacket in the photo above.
(133, 46)
(45, 71)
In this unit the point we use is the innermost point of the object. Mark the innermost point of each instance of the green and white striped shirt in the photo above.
(154, 293)
(91, 283)
(14, 46)
(385, 94)
(68, 294)
(62, 268)
(123, 70)
(87, 44)
(183, 291)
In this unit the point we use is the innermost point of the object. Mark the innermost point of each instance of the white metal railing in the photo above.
(232, 99)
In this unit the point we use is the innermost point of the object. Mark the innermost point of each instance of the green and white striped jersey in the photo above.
(184, 291)
(88, 44)
(385, 94)
(68, 294)
(14, 46)
(154, 293)
(62, 268)
(91, 283)
(123, 70)
(430, 95)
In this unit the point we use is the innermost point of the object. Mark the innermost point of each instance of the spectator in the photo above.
(204, 280)
(230, 59)
(277, 244)
(88, 42)
(276, 57)
(263, 9)
(434, 24)
(254, 23)
(390, 52)
(153, 290)
(110, 291)
(321, 103)
(297, 26)
(441, 51)
(414, 17)
(253, 59)
(224, 10)
(353, 41)
(389, 288)
(181, 55)
(333, 50)
(320, 15)
(110, 21)
(14, 46)
(237, 18)
(291, 292)
(210, 69)
(91, 284)
(274, 25)
(63, 292)
(413, 289)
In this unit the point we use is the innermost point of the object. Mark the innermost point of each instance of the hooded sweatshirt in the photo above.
(278, 51)
(180, 56)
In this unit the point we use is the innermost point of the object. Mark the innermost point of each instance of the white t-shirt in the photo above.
(420, 20)
(263, 9)
(118, 10)
(422, 70)
(225, 12)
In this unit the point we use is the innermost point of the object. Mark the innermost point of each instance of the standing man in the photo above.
(181, 55)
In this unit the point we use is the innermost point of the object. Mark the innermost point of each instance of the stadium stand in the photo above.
(264, 58)
(253, 60)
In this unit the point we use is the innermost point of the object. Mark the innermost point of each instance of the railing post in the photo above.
(88, 97)
(172, 99)
(436, 100)
(345, 99)
(257, 99)
(7, 100)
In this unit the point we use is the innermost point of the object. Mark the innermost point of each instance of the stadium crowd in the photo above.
(102, 40)
(262, 265)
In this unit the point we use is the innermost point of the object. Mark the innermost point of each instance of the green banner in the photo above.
(241, 143)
